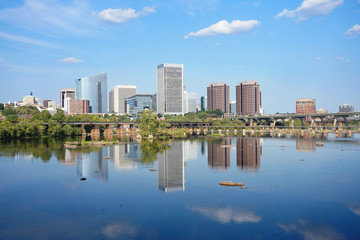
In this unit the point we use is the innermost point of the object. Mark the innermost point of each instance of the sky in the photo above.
(293, 49)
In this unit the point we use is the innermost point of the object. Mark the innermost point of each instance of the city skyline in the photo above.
(292, 50)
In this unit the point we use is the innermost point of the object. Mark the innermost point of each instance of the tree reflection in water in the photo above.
(150, 149)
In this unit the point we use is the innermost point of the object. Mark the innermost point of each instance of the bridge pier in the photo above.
(95, 131)
(83, 131)
(120, 129)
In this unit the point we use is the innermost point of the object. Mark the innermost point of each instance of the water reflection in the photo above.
(219, 153)
(93, 165)
(311, 231)
(120, 230)
(355, 208)
(305, 145)
(70, 157)
(125, 156)
(171, 168)
(248, 153)
(227, 215)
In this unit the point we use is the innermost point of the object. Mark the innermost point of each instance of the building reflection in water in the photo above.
(125, 156)
(248, 153)
(70, 157)
(203, 148)
(93, 165)
(190, 150)
(171, 168)
(219, 154)
(305, 145)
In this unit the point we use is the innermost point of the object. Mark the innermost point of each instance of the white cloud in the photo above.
(52, 16)
(224, 28)
(70, 60)
(26, 40)
(343, 59)
(309, 8)
(122, 15)
(354, 31)
(226, 215)
(318, 58)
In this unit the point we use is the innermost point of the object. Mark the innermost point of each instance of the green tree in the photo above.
(2, 106)
(9, 111)
(59, 116)
(12, 118)
(297, 122)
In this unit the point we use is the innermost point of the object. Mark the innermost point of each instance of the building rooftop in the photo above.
(248, 83)
(218, 84)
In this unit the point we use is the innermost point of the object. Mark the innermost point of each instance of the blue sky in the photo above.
(294, 49)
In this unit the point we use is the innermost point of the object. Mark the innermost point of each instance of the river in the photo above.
(169, 190)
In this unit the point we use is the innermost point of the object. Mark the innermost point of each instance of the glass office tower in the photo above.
(94, 89)
(170, 85)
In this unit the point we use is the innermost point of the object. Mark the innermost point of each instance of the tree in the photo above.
(2, 106)
(9, 111)
(59, 116)
(297, 122)
(151, 125)
(12, 118)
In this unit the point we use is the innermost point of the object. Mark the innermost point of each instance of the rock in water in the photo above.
(230, 184)
(319, 144)
(107, 157)
(83, 178)
(152, 170)
(244, 187)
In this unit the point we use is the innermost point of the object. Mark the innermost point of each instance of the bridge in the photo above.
(249, 120)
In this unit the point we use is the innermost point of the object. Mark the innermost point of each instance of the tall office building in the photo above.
(248, 98)
(190, 103)
(203, 103)
(170, 84)
(78, 106)
(305, 106)
(346, 108)
(233, 107)
(218, 96)
(66, 93)
(111, 101)
(94, 89)
(118, 97)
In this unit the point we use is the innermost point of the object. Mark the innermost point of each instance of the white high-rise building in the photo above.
(117, 97)
(170, 84)
(190, 102)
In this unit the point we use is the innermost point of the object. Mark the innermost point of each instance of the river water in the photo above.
(170, 190)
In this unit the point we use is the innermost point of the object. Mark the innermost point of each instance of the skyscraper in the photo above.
(118, 95)
(170, 84)
(248, 98)
(203, 103)
(218, 96)
(190, 103)
(66, 93)
(94, 89)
